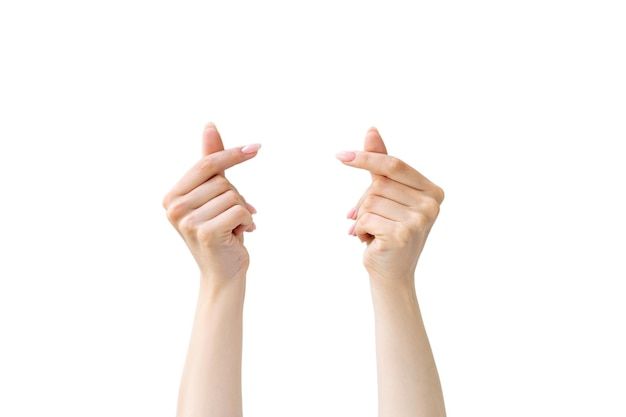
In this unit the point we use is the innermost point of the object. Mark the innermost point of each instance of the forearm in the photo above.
(408, 382)
(211, 382)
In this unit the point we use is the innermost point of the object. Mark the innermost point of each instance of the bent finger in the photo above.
(386, 165)
(217, 205)
(384, 207)
(211, 165)
(370, 225)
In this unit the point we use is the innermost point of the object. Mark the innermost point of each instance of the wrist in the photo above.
(404, 282)
(392, 290)
(214, 289)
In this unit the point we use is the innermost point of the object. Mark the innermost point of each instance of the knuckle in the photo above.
(176, 210)
(240, 210)
(430, 208)
(206, 163)
(187, 224)
(368, 202)
(222, 182)
(403, 233)
(206, 234)
(394, 164)
(231, 196)
(439, 194)
(419, 222)
(364, 219)
(165, 202)
(379, 184)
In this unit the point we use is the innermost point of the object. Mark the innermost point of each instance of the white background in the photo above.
(516, 109)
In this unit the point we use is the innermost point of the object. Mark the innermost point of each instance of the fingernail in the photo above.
(345, 156)
(209, 125)
(251, 148)
(351, 213)
(252, 208)
(351, 230)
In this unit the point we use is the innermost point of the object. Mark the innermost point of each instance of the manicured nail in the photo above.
(345, 156)
(251, 148)
(351, 213)
(351, 230)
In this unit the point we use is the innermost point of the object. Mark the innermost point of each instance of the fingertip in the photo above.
(374, 142)
(211, 139)
(351, 213)
(351, 229)
(345, 156)
(252, 209)
(250, 149)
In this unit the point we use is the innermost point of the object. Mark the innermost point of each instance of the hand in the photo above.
(395, 214)
(210, 214)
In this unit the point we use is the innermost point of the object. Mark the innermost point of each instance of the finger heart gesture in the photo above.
(396, 212)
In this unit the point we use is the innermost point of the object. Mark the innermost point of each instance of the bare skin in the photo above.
(211, 216)
(393, 218)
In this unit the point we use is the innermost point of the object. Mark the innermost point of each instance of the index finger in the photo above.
(388, 166)
(211, 165)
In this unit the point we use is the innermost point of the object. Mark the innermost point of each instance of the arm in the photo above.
(394, 217)
(211, 217)
(408, 383)
(211, 382)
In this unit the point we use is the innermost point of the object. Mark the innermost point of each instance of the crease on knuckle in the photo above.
(403, 233)
(364, 218)
(186, 225)
(368, 203)
(205, 233)
(379, 184)
(419, 222)
(430, 208)
(165, 201)
(231, 196)
(222, 182)
(240, 211)
(207, 163)
(440, 195)
(394, 164)
(176, 210)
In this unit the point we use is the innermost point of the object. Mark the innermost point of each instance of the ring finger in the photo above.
(218, 205)
(207, 191)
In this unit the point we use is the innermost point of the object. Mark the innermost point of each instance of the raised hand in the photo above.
(395, 214)
(210, 214)
(394, 217)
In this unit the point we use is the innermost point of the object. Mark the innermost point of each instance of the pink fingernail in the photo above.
(252, 208)
(209, 125)
(251, 148)
(351, 230)
(346, 156)
(351, 213)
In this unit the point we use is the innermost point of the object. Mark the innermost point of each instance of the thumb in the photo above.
(374, 142)
(211, 140)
